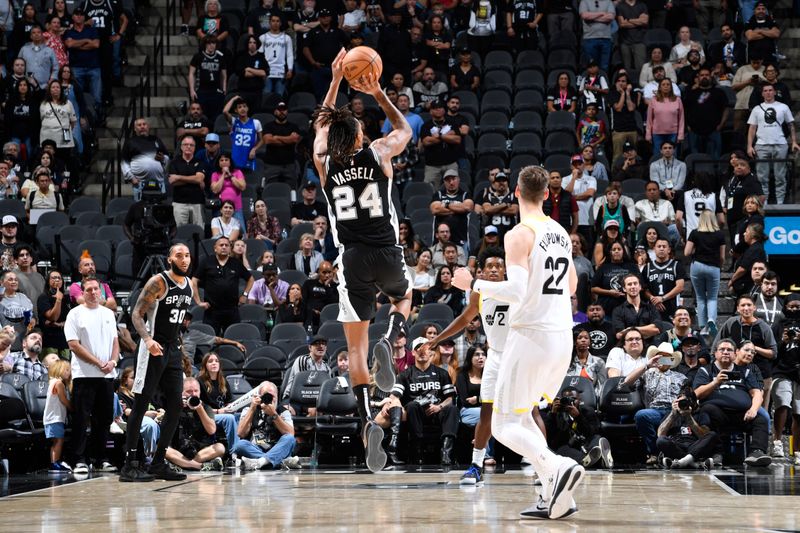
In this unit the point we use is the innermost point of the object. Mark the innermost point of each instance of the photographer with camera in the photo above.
(194, 446)
(786, 372)
(427, 394)
(266, 433)
(573, 430)
(730, 397)
(683, 437)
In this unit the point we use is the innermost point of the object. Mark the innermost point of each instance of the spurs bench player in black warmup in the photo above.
(357, 183)
(157, 317)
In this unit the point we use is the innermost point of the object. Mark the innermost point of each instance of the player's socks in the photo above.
(396, 323)
(478, 455)
(362, 403)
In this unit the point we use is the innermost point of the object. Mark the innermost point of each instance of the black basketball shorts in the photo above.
(363, 271)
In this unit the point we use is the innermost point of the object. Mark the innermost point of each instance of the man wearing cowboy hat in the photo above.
(662, 384)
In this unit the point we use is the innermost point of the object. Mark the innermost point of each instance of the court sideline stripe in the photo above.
(724, 486)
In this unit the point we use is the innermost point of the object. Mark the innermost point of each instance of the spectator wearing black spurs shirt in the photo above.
(663, 280)
(452, 205)
(427, 394)
(601, 332)
(308, 209)
(194, 123)
(500, 205)
(208, 78)
(251, 69)
(281, 138)
(110, 21)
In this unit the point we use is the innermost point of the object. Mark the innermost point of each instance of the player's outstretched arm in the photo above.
(397, 140)
(153, 290)
(338, 74)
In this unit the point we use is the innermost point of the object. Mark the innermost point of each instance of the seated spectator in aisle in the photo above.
(747, 78)
(192, 338)
(444, 292)
(634, 311)
(629, 165)
(650, 90)
(318, 291)
(208, 77)
(442, 238)
(623, 102)
(269, 291)
(653, 208)
(746, 326)
(591, 130)
(188, 181)
(786, 387)
(144, 158)
(597, 18)
(584, 364)
(602, 337)
(193, 446)
(309, 208)
(246, 133)
(684, 439)
(607, 280)
(427, 394)
(428, 90)
(762, 33)
(646, 73)
(306, 260)
(661, 385)
(282, 139)
(266, 433)
(573, 430)
(415, 121)
(314, 360)
(668, 172)
(729, 51)
(766, 139)
(562, 96)
(86, 268)
(26, 361)
(323, 239)
(440, 143)
(695, 356)
(452, 205)
(560, 205)
(194, 123)
(628, 355)
(663, 280)
(31, 283)
(499, 205)
(741, 282)
(278, 49)
(731, 397)
(219, 276)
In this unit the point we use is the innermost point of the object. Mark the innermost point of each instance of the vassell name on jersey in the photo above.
(350, 174)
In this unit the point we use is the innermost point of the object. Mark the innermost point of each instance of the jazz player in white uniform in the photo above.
(541, 278)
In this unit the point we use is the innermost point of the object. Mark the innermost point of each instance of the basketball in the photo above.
(359, 61)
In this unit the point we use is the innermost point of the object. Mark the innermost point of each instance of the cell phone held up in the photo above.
(734, 375)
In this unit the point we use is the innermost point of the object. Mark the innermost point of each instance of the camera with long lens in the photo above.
(266, 398)
(567, 401)
(193, 401)
(684, 404)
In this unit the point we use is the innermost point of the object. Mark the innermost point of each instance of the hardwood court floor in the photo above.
(325, 501)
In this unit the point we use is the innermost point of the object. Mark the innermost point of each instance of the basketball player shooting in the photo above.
(157, 317)
(357, 183)
(541, 278)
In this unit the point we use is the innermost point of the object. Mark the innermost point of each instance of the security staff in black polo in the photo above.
(322, 45)
(185, 174)
(219, 276)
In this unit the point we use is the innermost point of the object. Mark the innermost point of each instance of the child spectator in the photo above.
(55, 412)
(591, 131)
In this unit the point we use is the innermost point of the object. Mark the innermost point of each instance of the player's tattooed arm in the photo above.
(153, 290)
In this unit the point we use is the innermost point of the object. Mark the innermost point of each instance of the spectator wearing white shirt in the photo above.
(277, 48)
(582, 186)
(677, 55)
(655, 209)
(767, 123)
(628, 355)
(656, 60)
(649, 90)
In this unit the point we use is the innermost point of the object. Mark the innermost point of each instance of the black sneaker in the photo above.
(758, 458)
(163, 471)
(133, 473)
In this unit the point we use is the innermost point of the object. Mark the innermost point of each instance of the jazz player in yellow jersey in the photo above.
(541, 278)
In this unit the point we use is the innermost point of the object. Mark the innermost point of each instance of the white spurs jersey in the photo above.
(546, 304)
(694, 202)
(496, 319)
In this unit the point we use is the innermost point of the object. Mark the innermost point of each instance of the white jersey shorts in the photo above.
(489, 377)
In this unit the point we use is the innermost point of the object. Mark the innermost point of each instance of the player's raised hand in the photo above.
(462, 278)
(336, 66)
(368, 84)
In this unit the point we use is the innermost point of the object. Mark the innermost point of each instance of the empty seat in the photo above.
(499, 60)
(492, 143)
(560, 142)
(435, 313)
(269, 352)
(82, 204)
(562, 60)
(52, 218)
(530, 79)
(293, 276)
(302, 102)
(496, 100)
(231, 353)
(527, 122)
(9, 206)
(530, 59)
(658, 38)
(563, 40)
(288, 245)
(124, 276)
(289, 331)
(560, 121)
(331, 330)
(526, 144)
(529, 100)
(494, 122)
(497, 79)
(242, 331)
(417, 202)
(91, 219)
(298, 230)
(119, 205)
(329, 312)
(111, 233)
(256, 370)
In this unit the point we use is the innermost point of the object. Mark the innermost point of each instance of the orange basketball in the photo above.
(359, 61)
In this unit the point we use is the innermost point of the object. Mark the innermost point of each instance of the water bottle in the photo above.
(511, 125)
(252, 206)
(309, 334)
(509, 145)
(284, 234)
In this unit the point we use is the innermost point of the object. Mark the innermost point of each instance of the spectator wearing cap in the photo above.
(491, 238)
(597, 17)
(314, 360)
(305, 211)
(83, 44)
(322, 45)
(281, 138)
(628, 164)
(251, 70)
(452, 205)
(695, 355)
(194, 123)
(277, 48)
(464, 75)
(9, 229)
(443, 237)
(499, 205)
(633, 19)
(428, 90)
(560, 204)
(208, 160)
(269, 291)
(440, 142)
(747, 78)
(188, 181)
(762, 33)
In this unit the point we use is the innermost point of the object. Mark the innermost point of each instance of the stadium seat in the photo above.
(336, 411)
(231, 353)
(494, 122)
(111, 233)
(328, 313)
(552, 78)
(530, 80)
(16, 380)
(298, 230)
(331, 330)
(492, 143)
(91, 219)
(560, 142)
(498, 60)
(52, 218)
(305, 391)
(497, 79)
(560, 121)
(269, 352)
(526, 144)
(377, 330)
(530, 59)
(238, 387)
(630, 187)
(293, 276)
(439, 313)
(560, 162)
(658, 38)
(302, 102)
(123, 272)
(256, 370)
(13, 207)
(82, 204)
(561, 59)
(585, 388)
(520, 161)
(417, 202)
(278, 189)
(289, 331)
(199, 326)
(496, 100)
(240, 332)
(101, 253)
(34, 394)
(563, 40)
(417, 188)
(529, 100)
